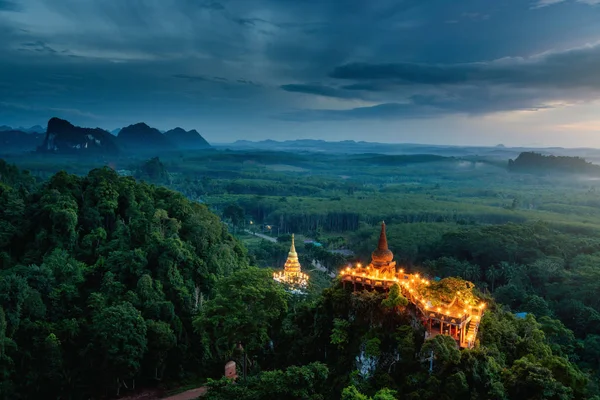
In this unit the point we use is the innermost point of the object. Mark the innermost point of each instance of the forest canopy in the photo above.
(100, 279)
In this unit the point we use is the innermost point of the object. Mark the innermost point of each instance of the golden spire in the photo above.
(293, 248)
(292, 264)
(291, 270)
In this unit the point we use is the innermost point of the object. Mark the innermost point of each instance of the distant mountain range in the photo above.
(33, 129)
(500, 152)
(62, 137)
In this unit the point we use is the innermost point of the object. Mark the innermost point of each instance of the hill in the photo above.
(12, 141)
(141, 138)
(62, 137)
(33, 129)
(187, 139)
(539, 163)
(100, 279)
(65, 138)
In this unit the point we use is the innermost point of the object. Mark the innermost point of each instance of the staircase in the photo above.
(471, 333)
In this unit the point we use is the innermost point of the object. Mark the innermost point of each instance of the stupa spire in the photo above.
(382, 255)
(292, 264)
(382, 238)
(293, 246)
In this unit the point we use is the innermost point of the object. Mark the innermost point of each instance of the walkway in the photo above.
(192, 394)
(155, 394)
(465, 321)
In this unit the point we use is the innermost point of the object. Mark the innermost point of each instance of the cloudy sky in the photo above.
(517, 72)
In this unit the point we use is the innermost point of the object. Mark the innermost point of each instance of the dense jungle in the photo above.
(124, 274)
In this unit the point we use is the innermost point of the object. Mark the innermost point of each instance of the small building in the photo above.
(521, 315)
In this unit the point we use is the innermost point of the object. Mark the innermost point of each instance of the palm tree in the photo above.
(492, 274)
(508, 270)
(473, 272)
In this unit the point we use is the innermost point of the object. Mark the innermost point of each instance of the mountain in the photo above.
(12, 141)
(141, 137)
(35, 129)
(187, 139)
(65, 138)
(115, 131)
(539, 163)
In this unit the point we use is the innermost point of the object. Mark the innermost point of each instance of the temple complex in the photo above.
(457, 315)
(292, 274)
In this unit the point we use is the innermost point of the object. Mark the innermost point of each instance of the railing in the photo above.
(471, 318)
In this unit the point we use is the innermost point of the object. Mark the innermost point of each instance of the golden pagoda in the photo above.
(292, 274)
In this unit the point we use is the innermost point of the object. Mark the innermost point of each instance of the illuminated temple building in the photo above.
(458, 317)
(292, 274)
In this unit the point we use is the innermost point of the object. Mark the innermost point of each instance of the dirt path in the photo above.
(156, 395)
(188, 395)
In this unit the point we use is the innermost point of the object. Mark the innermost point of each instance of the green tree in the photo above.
(120, 341)
(245, 307)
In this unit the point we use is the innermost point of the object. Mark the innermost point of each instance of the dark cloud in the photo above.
(220, 61)
(194, 78)
(466, 101)
(370, 87)
(247, 82)
(215, 79)
(319, 90)
(9, 5)
(38, 46)
(386, 111)
(213, 5)
(571, 68)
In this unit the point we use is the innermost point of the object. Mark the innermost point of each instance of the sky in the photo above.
(467, 72)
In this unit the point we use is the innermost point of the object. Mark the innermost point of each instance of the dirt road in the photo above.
(188, 395)
(260, 235)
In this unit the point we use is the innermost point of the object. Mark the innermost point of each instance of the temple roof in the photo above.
(382, 254)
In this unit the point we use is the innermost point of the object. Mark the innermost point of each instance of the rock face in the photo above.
(64, 138)
(141, 137)
(187, 139)
(12, 141)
